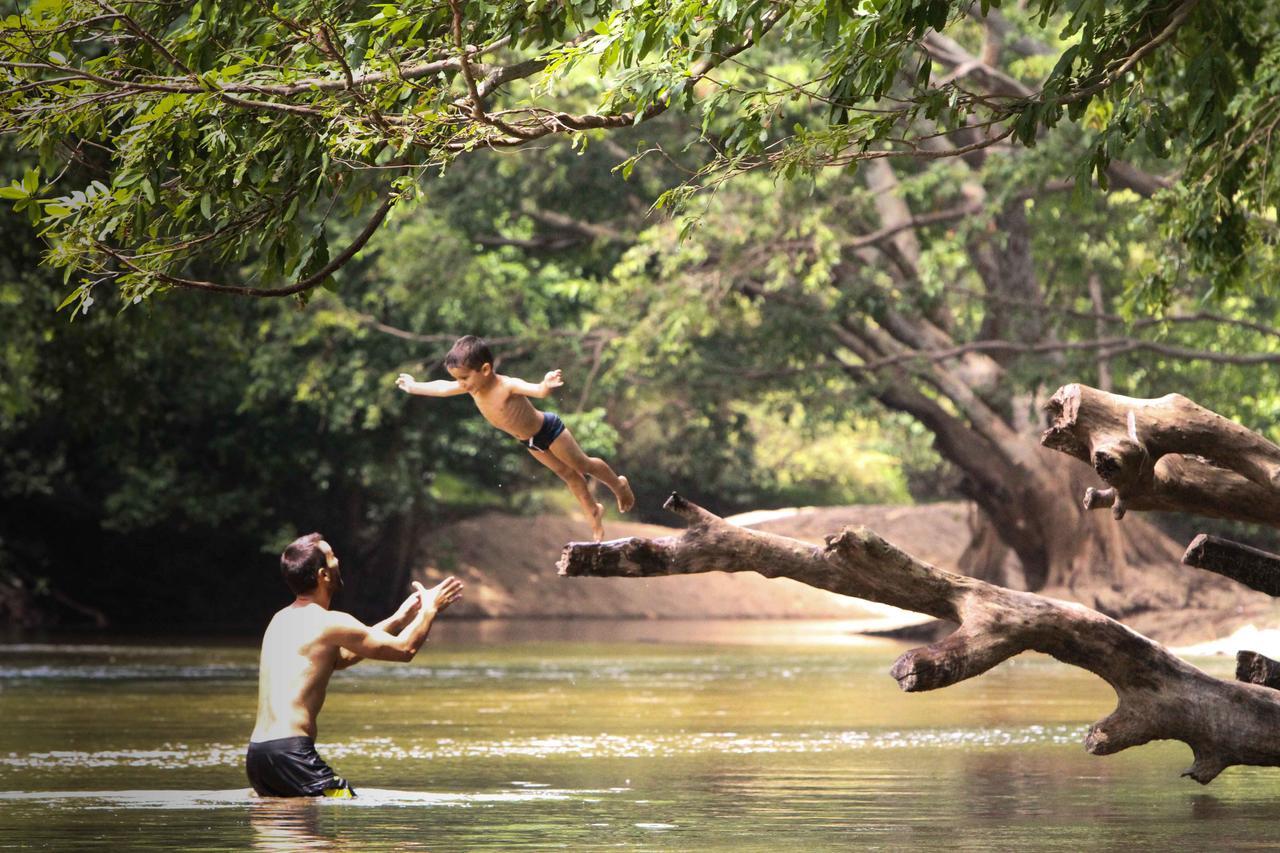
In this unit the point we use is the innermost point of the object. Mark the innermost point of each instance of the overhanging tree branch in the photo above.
(305, 284)
(1111, 346)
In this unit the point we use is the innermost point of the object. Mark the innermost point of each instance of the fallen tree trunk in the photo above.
(1167, 454)
(1160, 696)
(1253, 567)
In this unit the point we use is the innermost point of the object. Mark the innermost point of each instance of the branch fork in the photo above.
(1166, 454)
(1159, 696)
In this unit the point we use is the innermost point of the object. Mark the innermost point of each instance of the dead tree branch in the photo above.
(1167, 454)
(1257, 669)
(1161, 697)
(1253, 567)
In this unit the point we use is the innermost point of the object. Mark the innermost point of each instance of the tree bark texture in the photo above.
(1166, 454)
(1257, 669)
(1160, 696)
(1253, 567)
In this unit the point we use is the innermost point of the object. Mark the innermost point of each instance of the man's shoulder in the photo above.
(340, 620)
(340, 616)
(308, 623)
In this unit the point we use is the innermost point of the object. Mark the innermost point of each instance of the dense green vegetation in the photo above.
(153, 463)
(751, 304)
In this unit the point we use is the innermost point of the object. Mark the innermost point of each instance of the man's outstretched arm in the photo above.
(393, 624)
(364, 641)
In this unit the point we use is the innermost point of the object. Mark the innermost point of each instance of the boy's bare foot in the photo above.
(626, 497)
(597, 526)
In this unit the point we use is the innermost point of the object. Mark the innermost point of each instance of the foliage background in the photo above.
(158, 448)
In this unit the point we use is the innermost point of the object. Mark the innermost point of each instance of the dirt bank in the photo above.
(509, 562)
(509, 565)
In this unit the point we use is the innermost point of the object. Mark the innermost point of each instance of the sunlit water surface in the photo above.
(757, 736)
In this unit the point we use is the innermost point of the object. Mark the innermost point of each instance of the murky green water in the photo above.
(488, 742)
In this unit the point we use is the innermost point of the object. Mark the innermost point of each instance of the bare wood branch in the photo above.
(1192, 485)
(1253, 567)
(1159, 695)
(949, 214)
(593, 230)
(1166, 453)
(478, 111)
(1257, 669)
(1099, 307)
(543, 243)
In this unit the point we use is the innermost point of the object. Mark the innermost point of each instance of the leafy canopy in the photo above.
(226, 131)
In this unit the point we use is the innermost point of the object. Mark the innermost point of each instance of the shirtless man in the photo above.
(504, 402)
(303, 645)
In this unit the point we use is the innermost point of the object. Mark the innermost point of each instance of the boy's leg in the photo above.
(578, 486)
(565, 448)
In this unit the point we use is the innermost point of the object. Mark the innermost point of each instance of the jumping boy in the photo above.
(504, 402)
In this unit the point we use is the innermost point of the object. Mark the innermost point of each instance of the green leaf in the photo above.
(71, 297)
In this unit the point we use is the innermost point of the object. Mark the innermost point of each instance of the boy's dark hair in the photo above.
(470, 352)
(301, 562)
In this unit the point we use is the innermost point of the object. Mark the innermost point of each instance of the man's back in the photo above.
(294, 672)
(302, 646)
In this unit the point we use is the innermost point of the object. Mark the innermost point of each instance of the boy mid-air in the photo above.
(504, 402)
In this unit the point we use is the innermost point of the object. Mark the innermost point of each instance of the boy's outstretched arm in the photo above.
(544, 388)
(435, 388)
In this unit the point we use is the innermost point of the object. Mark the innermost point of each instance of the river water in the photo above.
(647, 736)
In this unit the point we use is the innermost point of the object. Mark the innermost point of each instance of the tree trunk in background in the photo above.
(1030, 498)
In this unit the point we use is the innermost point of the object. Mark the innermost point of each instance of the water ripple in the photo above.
(179, 756)
(366, 797)
(120, 672)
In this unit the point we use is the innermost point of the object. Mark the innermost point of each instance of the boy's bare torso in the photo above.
(508, 411)
(294, 672)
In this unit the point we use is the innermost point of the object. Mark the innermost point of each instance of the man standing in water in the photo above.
(303, 645)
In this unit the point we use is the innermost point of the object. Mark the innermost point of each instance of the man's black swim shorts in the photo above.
(291, 767)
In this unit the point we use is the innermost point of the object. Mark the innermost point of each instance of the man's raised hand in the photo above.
(440, 596)
(553, 379)
(403, 381)
(409, 607)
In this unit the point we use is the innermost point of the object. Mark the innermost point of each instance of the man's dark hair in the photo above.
(470, 352)
(301, 562)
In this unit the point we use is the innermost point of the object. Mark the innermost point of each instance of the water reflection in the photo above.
(289, 824)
